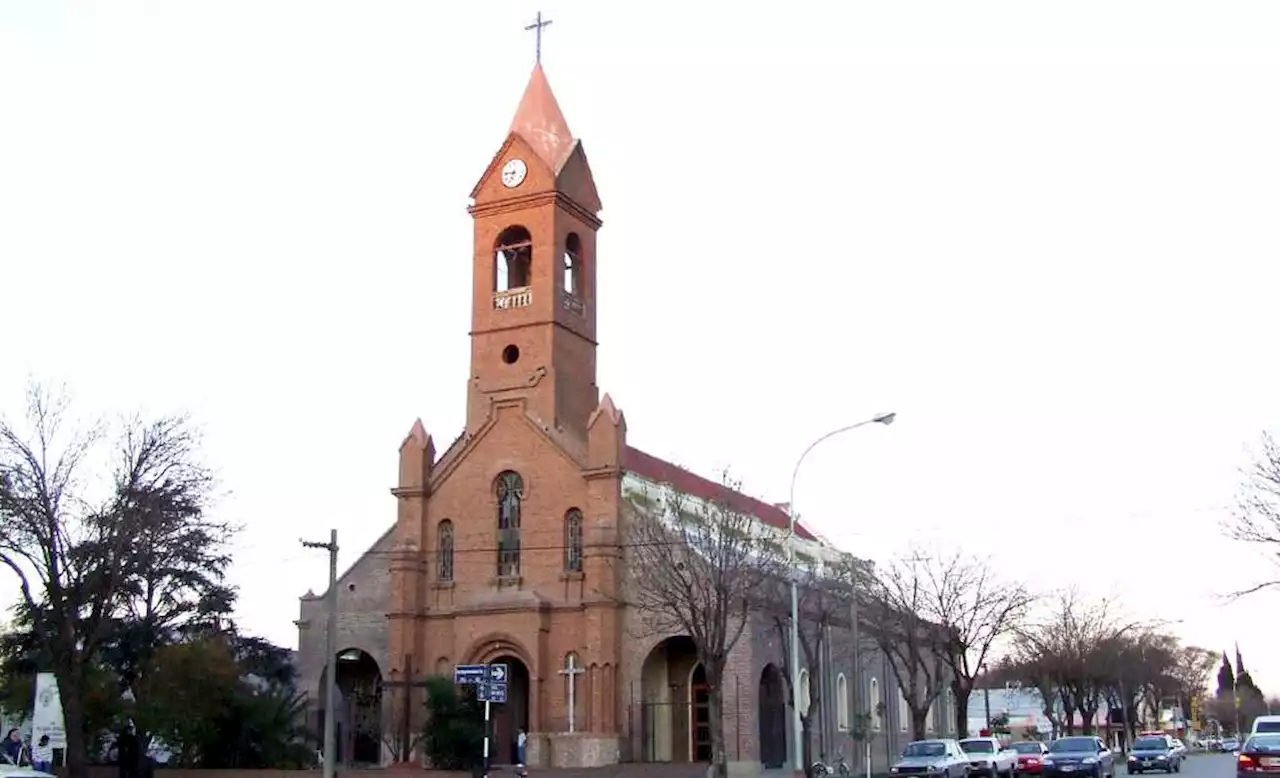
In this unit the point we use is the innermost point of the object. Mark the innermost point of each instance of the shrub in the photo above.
(454, 735)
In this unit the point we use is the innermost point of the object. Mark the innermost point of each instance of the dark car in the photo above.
(1069, 757)
(1259, 754)
(1030, 757)
(1154, 752)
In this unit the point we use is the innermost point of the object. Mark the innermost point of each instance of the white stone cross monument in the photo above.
(571, 671)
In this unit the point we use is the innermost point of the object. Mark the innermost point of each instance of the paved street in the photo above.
(1204, 766)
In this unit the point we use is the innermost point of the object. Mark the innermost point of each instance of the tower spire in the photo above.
(540, 122)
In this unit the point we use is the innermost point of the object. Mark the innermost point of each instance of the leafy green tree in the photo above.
(113, 550)
(183, 695)
(23, 656)
(454, 738)
(264, 728)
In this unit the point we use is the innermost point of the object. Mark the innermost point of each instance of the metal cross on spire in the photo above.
(537, 26)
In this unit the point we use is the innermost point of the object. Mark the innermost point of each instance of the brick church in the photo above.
(505, 546)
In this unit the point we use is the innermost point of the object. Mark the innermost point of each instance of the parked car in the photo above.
(10, 770)
(1179, 746)
(987, 757)
(1260, 753)
(1230, 744)
(933, 758)
(1030, 757)
(1079, 755)
(1265, 724)
(1155, 752)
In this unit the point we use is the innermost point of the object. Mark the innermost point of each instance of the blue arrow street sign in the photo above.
(491, 691)
(470, 674)
(498, 674)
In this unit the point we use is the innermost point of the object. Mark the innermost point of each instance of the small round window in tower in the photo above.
(510, 354)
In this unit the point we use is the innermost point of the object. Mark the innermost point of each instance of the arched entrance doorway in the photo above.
(673, 712)
(359, 719)
(513, 715)
(772, 713)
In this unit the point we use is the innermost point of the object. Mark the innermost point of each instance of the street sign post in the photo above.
(490, 682)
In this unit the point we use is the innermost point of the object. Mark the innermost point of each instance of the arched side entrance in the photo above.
(359, 715)
(673, 712)
(513, 715)
(772, 713)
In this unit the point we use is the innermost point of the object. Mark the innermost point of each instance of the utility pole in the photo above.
(330, 650)
(986, 698)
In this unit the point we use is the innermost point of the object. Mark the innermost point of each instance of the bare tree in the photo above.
(699, 568)
(1257, 516)
(398, 732)
(1133, 670)
(1041, 673)
(1190, 673)
(84, 549)
(824, 601)
(1075, 644)
(896, 614)
(976, 610)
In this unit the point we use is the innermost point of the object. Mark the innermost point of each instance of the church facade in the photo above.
(506, 546)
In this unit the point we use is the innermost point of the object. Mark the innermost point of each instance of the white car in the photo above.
(987, 757)
(1265, 725)
(10, 770)
(1179, 746)
(932, 758)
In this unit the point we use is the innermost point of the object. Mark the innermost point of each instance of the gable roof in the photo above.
(661, 471)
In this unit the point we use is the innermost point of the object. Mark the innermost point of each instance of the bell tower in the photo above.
(533, 321)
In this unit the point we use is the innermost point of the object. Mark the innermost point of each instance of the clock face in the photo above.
(513, 173)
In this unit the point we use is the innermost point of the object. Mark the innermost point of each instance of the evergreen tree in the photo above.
(455, 726)
(1226, 678)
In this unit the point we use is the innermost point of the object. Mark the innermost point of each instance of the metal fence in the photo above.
(679, 730)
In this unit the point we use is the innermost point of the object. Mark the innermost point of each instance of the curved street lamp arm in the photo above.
(884, 418)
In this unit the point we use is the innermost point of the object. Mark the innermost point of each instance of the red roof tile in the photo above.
(661, 471)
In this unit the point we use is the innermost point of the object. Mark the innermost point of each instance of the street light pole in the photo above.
(796, 725)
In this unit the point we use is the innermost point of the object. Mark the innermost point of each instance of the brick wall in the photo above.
(363, 601)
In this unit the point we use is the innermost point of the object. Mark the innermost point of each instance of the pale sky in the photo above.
(1042, 233)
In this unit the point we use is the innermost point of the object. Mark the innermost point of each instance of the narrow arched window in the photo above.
(512, 259)
(904, 710)
(572, 267)
(573, 541)
(444, 544)
(842, 702)
(805, 700)
(875, 705)
(509, 490)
